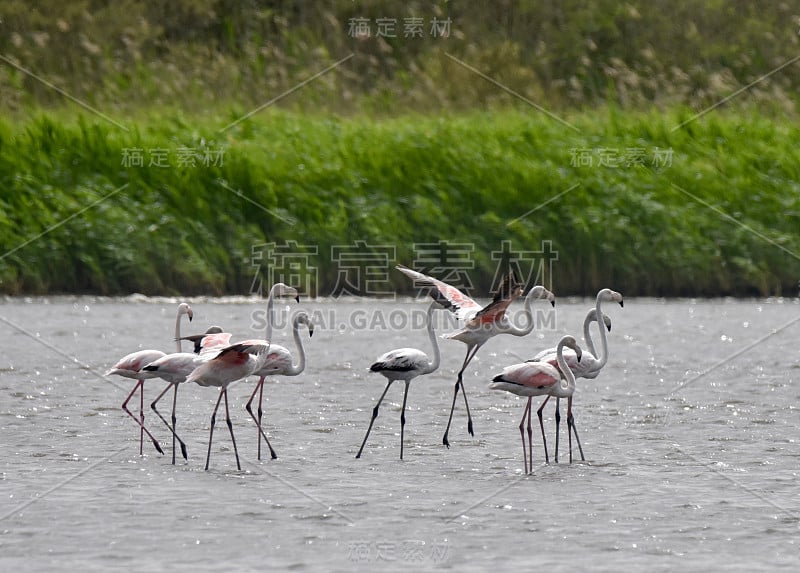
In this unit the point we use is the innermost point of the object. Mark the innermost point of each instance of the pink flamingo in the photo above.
(230, 364)
(278, 354)
(589, 367)
(130, 366)
(403, 364)
(279, 363)
(538, 379)
(481, 324)
(175, 367)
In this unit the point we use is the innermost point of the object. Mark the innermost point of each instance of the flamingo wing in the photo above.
(538, 375)
(278, 360)
(400, 360)
(247, 348)
(197, 339)
(133, 362)
(211, 343)
(446, 295)
(509, 291)
(172, 367)
(492, 312)
(509, 285)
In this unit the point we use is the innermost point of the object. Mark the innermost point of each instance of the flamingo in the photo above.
(175, 367)
(130, 366)
(590, 370)
(585, 368)
(278, 289)
(279, 362)
(538, 379)
(481, 324)
(232, 363)
(404, 364)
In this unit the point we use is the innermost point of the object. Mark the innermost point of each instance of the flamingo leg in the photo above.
(140, 383)
(230, 428)
(403, 417)
(261, 433)
(525, 412)
(466, 404)
(174, 420)
(460, 384)
(571, 426)
(260, 417)
(213, 421)
(530, 437)
(558, 424)
(541, 425)
(141, 417)
(372, 420)
(175, 425)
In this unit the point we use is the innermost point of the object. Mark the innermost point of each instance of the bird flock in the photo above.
(217, 362)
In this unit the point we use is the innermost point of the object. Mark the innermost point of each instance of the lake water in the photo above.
(690, 435)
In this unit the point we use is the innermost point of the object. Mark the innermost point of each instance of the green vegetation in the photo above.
(164, 189)
(643, 228)
(123, 55)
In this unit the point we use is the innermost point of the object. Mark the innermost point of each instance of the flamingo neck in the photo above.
(563, 391)
(434, 342)
(268, 332)
(603, 339)
(301, 353)
(178, 331)
(587, 333)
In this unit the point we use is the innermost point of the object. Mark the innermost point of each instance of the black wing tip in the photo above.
(150, 368)
(238, 347)
(389, 367)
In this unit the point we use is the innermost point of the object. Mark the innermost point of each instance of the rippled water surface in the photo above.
(690, 436)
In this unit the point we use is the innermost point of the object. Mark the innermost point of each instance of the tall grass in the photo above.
(120, 56)
(722, 218)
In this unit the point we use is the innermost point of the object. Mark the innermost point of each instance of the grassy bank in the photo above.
(649, 209)
(563, 54)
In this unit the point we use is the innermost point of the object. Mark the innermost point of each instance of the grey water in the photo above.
(690, 435)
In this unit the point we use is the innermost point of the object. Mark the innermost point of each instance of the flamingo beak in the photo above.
(622, 305)
(297, 298)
